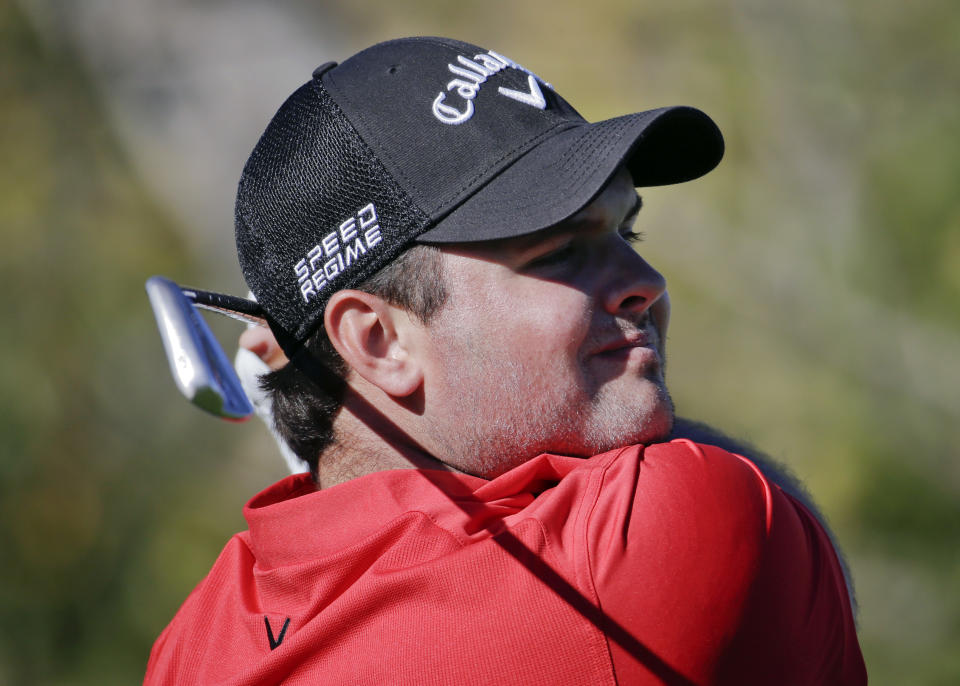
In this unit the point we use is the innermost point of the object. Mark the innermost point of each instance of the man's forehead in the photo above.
(605, 208)
(612, 208)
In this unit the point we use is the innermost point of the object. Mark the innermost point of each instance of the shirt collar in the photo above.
(292, 521)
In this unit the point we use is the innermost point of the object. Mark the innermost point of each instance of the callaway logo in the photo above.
(471, 74)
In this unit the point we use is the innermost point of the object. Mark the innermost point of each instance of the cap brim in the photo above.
(565, 172)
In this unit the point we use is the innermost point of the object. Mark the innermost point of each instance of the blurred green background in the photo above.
(815, 279)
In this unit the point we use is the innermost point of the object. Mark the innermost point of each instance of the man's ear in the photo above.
(370, 335)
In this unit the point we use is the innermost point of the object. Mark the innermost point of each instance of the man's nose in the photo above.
(634, 285)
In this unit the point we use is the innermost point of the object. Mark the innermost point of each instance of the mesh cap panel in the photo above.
(316, 211)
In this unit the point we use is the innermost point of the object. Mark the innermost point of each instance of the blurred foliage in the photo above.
(106, 518)
(815, 279)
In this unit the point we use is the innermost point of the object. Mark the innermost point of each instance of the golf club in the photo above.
(200, 368)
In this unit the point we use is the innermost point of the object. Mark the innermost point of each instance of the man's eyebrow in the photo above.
(528, 242)
(587, 222)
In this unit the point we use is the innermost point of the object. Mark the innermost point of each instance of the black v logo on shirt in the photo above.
(275, 642)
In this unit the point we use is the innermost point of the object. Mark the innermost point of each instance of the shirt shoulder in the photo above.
(713, 568)
(182, 653)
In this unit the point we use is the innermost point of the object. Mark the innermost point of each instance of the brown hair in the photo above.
(303, 410)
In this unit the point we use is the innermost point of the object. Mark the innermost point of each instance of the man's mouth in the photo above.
(644, 357)
(637, 339)
(628, 337)
(634, 349)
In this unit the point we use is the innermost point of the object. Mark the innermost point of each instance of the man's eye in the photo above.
(557, 256)
(631, 236)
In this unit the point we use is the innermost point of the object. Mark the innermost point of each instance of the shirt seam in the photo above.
(584, 515)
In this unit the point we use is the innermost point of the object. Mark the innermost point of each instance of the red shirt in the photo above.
(676, 563)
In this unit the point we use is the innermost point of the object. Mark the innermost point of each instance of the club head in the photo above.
(200, 368)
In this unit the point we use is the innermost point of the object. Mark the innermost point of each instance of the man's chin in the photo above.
(654, 424)
(614, 422)
(660, 427)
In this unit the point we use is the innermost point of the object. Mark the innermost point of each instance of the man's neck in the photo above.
(368, 439)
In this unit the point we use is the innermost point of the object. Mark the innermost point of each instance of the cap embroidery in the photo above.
(337, 251)
(474, 73)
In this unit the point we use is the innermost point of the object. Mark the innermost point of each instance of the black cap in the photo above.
(430, 140)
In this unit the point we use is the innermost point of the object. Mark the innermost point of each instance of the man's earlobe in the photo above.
(368, 333)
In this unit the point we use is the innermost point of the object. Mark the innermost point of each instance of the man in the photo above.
(443, 249)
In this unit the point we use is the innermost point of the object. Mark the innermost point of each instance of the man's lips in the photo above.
(638, 345)
(639, 339)
(627, 341)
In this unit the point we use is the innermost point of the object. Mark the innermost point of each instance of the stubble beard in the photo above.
(501, 416)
